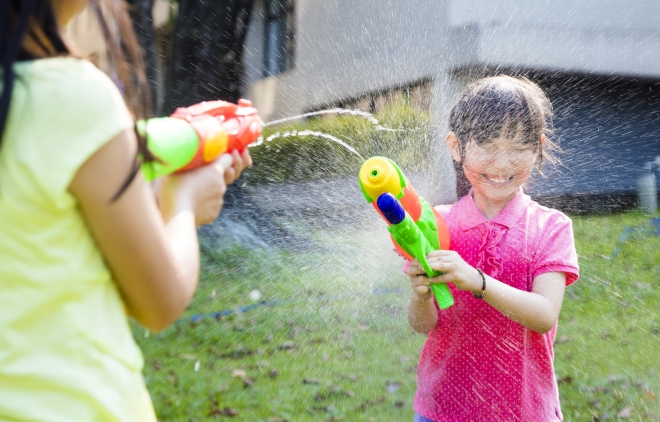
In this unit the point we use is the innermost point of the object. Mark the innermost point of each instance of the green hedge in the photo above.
(304, 158)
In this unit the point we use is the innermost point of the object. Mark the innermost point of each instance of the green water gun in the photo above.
(194, 136)
(416, 228)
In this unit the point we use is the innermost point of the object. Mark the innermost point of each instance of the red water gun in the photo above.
(194, 136)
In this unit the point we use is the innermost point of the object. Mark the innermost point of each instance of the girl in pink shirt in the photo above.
(490, 357)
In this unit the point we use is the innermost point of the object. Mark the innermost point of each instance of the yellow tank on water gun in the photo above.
(415, 227)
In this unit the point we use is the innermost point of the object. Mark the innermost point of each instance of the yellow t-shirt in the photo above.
(66, 350)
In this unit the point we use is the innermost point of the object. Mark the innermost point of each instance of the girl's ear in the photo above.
(454, 146)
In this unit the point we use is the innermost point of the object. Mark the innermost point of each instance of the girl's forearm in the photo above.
(422, 314)
(178, 215)
(537, 310)
(182, 236)
(530, 309)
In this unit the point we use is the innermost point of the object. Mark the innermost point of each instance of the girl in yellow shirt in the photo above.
(82, 239)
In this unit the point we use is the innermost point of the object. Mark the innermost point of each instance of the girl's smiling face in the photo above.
(497, 168)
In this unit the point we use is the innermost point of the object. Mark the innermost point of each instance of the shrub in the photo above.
(303, 158)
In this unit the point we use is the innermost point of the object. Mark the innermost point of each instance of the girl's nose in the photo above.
(501, 163)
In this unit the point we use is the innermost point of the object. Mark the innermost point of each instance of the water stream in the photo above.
(294, 133)
(368, 116)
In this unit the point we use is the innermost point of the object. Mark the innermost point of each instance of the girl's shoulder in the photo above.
(70, 96)
(62, 111)
(67, 80)
(443, 210)
(522, 211)
(59, 68)
(546, 217)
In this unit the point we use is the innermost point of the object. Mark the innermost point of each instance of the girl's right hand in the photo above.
(419, 281)
(240, 163)
(200, 191)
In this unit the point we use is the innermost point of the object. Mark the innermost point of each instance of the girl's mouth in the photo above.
(497, 180)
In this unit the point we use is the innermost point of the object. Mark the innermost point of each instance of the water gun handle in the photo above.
(442, 295)
(195, 136)
(410, 238)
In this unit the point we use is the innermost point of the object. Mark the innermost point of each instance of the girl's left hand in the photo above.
(455, 270)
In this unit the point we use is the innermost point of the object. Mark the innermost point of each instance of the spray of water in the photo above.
(368, 116)
(302, 133)
(359, 113)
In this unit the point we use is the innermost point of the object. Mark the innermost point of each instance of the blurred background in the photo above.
(598, 61)
(300, 314)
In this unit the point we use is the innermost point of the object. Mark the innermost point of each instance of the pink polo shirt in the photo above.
(478, 365)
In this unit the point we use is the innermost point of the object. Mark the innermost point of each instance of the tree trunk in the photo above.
(207, 55)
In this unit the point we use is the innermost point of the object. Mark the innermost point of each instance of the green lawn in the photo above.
(330, 340)
(608, 347)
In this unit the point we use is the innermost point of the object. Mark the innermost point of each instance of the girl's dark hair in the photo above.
(505, 106)
(36, 19)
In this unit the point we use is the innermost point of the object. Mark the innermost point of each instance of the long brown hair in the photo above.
(36, 19)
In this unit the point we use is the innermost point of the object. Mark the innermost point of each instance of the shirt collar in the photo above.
(471, 217)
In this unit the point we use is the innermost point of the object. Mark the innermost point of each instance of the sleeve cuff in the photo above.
(572, 273)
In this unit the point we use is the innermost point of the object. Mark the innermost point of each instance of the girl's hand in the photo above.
(419, 281)
(240, 163)
(455, 270)
(200, 191)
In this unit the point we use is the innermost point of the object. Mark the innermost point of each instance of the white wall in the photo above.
(639, 15)
(601, 37)
(345, 48)
(348, 47)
